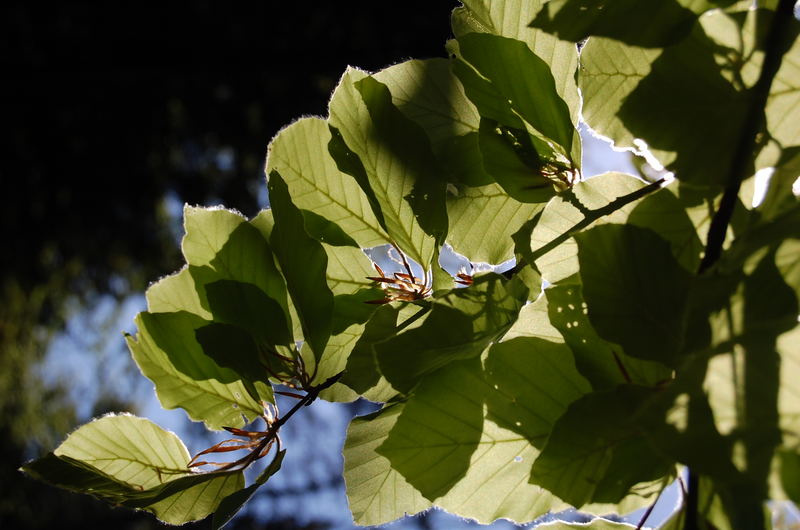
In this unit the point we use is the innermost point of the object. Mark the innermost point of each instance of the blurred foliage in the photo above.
(177, 103)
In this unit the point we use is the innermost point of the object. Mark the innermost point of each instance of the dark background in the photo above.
(113, 112)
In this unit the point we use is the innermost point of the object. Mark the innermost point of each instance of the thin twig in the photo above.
(590, 216)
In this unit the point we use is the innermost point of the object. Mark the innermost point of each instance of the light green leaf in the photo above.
(192, 498)
(376, 492)
(166, 351)
(347, 270)
(574, 206)
(483, 220)
(596, 452)
(533, 321)
(533, 381)
(300, 154)
(207, 231)
(129, 449)
(655, 24)
(176, 293)
(783, 105)
(636, 299)
(384, 176)
(303, 262)
(779, 196)
(132, 462)
(632, 92)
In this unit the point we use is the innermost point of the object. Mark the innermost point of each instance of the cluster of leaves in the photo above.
(654, 341)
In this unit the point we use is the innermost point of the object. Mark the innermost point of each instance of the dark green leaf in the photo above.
(522, 79)
(230, 505)
(636, 292)
(603, 363)
(247, 306)
(303, 262)
(167, 352)
(439, 429)
(326, 231)
(511, 159)
(409, 145)
(460, 326)
(596, 451)
(790, 474)
(533, 381)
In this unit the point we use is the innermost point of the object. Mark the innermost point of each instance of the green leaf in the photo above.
(655, 24)
(575, 209)
(233, 347)
(483, 220)
(230, 505)
(635, 93)
(386, 177)
(222, 245)
(510, 19)
(132, 462)
(300, 154)
(533, 321)
(459, 326)
(303, 262)
(636, 299)
(779, 197)
(207, 231)
(596, 451)
(522, 79)
(166, 351)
